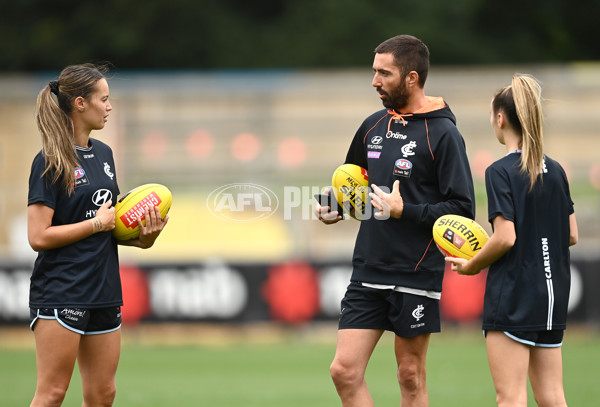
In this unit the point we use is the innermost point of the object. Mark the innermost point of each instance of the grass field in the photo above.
(288, 368)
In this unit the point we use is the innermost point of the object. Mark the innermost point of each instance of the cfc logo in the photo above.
(407, 149)
(107, 171)
(418, 312)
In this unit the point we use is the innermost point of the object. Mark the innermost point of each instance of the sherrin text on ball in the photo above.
(351, 186)
(457, 236)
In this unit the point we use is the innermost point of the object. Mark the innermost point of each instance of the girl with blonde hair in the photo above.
(528, 281)
(75, 294)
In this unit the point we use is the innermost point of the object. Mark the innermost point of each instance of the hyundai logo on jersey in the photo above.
(376, 139)
(101, 197)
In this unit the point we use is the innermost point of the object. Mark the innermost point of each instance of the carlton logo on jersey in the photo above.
(407, 149)
(107, 171)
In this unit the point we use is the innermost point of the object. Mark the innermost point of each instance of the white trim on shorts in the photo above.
(414, 291)
(70, 328)
(38, 316)
(530, 343)
(104, 332)
(526, 342)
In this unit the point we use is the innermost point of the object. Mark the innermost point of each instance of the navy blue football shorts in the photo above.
(84, 321)
(407, 315)
(542, 339)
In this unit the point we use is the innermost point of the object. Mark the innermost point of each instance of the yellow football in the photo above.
(457, 236)
(350, 187)
(132, 205)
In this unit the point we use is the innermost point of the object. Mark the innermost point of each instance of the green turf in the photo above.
(296, 373)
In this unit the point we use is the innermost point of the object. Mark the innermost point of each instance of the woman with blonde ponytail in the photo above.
(75, 294)
(528, 281)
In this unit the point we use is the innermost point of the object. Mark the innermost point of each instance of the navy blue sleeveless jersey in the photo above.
(84, 274)
(426, 153)
(527, 289)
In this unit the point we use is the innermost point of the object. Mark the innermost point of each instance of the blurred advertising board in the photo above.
(290, 292)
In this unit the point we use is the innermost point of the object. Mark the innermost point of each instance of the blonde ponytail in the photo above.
(58, 143)
(55, 124)
(521, 102)
(527, 94)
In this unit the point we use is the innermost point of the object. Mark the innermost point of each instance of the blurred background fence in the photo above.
(275, 136)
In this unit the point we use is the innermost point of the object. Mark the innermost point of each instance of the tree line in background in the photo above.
(237, 34)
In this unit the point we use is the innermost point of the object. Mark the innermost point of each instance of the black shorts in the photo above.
(406, 315)
(542, 339)
(84, 321)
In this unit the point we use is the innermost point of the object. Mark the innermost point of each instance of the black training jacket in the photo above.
(426, 152)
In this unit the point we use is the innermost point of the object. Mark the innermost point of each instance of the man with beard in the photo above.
(413, 150)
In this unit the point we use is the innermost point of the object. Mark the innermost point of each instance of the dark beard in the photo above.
(397, 100)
